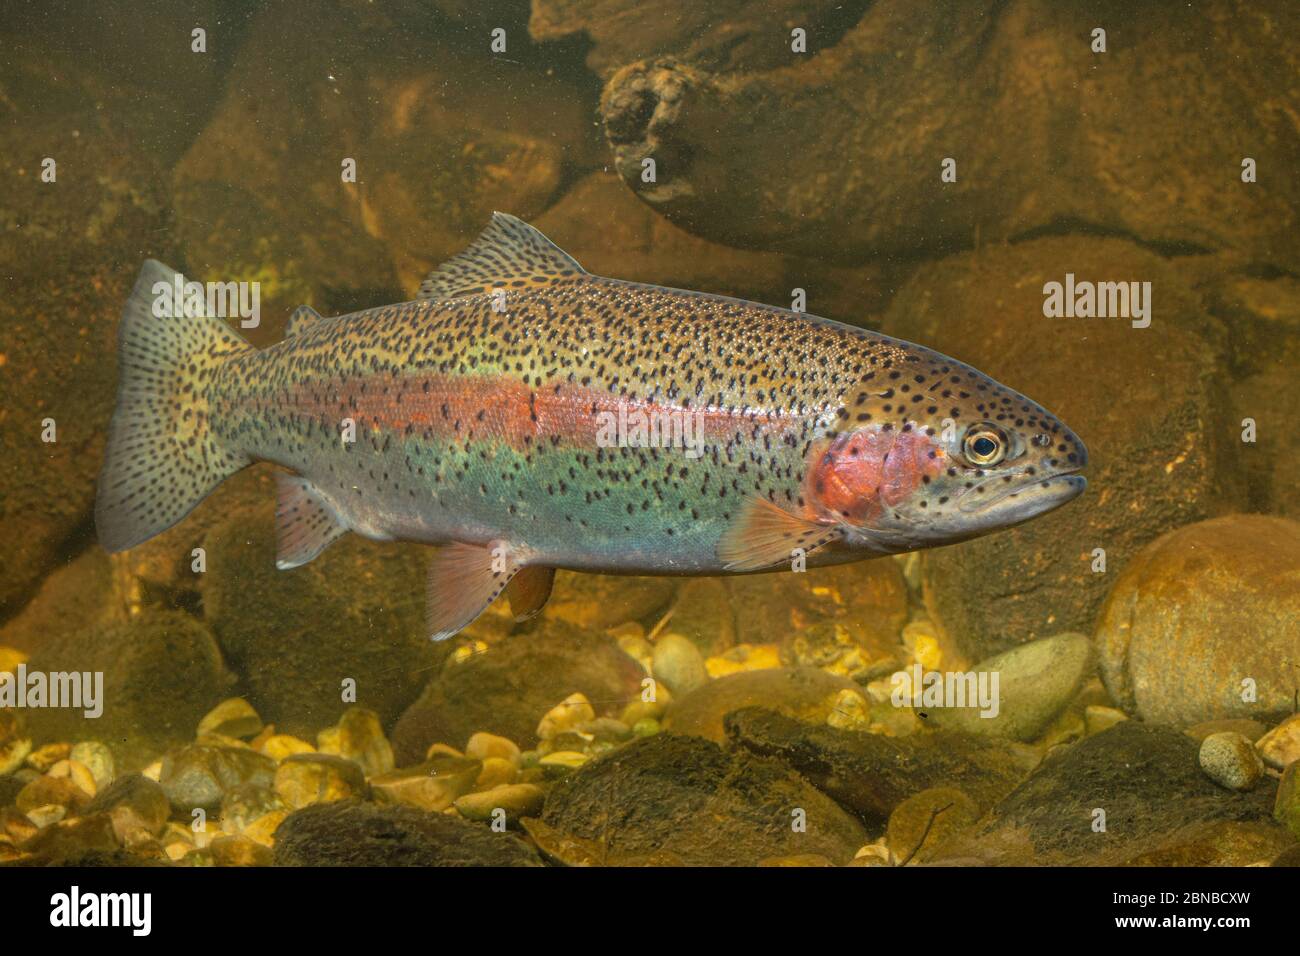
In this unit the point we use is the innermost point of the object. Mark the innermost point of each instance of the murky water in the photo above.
(1096, 210)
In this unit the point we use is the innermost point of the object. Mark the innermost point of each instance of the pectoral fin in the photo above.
(529, 591)
(463, 580)
(763, 535)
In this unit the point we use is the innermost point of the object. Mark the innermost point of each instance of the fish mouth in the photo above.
(1021, 501)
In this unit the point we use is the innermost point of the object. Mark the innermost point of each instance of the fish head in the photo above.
(926, 450)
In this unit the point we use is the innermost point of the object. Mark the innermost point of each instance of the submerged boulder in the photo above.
(805, 693)
(505, 687)
(1204, 623)
(350, 833)
(871, 774)
(689, 801)
(1112, 799)
(436, 142)
(162, 671)
(901, 91)
(351, 620)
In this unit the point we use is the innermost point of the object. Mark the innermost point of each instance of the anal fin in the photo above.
(463, 580)
(763, 535)
(529, 591)
(305, 524)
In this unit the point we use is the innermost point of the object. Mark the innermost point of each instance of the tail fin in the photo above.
(162, 456)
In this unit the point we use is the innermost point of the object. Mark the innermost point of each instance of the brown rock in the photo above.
(355, 613)
(912, 89)
(702, 804)
(598, 602)
(390, 99)
(162, 671)
(433, 785)
(804, 693)
(506, 688)
(726, 35)
(1199, 611)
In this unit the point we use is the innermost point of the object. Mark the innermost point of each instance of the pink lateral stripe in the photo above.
(508, 410)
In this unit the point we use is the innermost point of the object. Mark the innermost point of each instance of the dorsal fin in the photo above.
(508, 254)
(304, 317)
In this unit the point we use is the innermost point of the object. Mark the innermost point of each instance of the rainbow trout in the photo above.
(525, 415)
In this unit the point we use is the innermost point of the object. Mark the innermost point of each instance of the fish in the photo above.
(522, 415)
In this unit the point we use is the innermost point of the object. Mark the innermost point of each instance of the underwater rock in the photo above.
(356, 614)
(678, 664)
(901, 91)
(161, 100)
(701, 804)
(1097, 718)
(1264, 315)
(1286, 805)
(200, 775)
(606, 228)
(515, 800)
(47, 790)
(1201, 616)
(870, 774)
(802, 692)
(725, 35)
(701, 613)
(495, 772)
(97, 758)
(483, 746)
(359, 737)
(358, 834)
(433, 785)
(135, 804)
(1218, 843)
(71, 249)
(598, 602)
(75, 596)
(74, 842)
(244, 805)
(1230, 761)
(304, 779)
(926, 819)
(235, 850)
(1144, 779)
(15, 742)
(1252, 730)
(161, 670)
(437, 149)
(866, 598)
(565, 716)
(505, 688)
(233, 717)
(1157, 461)
(1280, 747)
(279, 746)
(1036, 682)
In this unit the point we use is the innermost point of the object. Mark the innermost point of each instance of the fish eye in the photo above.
(984, 444)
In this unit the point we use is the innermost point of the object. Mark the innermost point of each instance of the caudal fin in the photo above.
(162, 457)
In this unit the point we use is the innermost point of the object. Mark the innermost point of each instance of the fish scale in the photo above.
(478, 413)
